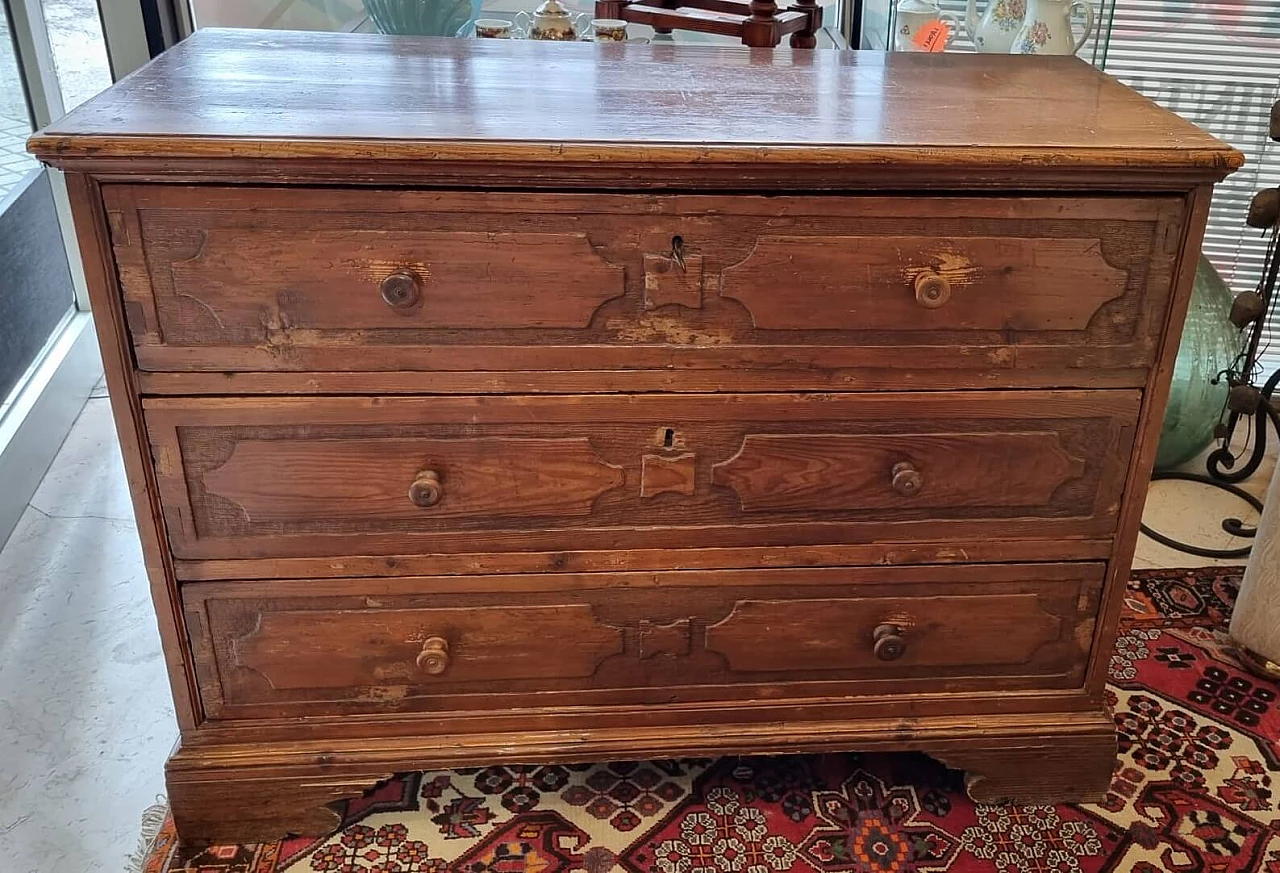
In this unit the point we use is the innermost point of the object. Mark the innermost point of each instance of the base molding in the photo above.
(254, 792)
(1036, 771)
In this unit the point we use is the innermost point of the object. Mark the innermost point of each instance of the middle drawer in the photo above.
(301, 477)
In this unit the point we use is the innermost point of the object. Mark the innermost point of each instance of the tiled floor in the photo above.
(14, 125)
(80, 58)
(85, 718)
(14, 160)
(1194, 513)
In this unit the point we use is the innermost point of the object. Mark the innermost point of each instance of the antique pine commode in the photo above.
(491, 401)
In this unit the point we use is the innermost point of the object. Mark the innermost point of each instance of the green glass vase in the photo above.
(420, 17)
(1209, 345)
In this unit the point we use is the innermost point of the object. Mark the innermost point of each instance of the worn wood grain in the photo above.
(937, 631)
(293, 477)
(803, 471)
(1155, 400)
(1038, 770)
(330, 280)
(886, 703)
(368, 478)
(264, 279)
(782, 401)
(883, 377)
(267, 650)
(378, 647)
(1010, 283)
(653, 103)
(997, 549)
(255, 791)
(126, 408)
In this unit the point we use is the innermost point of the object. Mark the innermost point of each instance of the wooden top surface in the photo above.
(270, 94)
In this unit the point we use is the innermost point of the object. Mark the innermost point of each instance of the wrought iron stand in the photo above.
(1246, 402)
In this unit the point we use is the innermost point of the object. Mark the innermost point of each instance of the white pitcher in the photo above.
(1046, 30)
(1000, 22)
(915, 14)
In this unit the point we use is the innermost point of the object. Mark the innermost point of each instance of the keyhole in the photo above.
(677, 250)
(668, 438)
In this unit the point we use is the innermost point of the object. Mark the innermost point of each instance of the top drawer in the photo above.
(682, 292)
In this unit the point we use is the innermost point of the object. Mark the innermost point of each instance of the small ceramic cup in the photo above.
(609, 30)
(493, 28)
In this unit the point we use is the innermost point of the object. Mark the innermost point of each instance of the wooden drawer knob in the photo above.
(400, 290)
(907, 480)
(426, 490)
(434, 657)
(889, 644)
(932, 290)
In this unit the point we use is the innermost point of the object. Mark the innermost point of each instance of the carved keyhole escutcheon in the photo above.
(673, 277)
(673, 639)
(670, 470)
(669, 439)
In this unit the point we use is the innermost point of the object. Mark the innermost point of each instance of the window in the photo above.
(1218, 65)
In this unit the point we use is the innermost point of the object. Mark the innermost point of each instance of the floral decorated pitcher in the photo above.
(1046, 30)
(1000, 22)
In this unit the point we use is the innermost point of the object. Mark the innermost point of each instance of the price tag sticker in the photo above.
(932, 37)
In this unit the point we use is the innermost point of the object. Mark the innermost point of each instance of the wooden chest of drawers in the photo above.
(493, 402)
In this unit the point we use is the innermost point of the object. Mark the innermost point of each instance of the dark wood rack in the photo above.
(758, 23)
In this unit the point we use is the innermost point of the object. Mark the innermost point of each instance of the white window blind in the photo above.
(1218, 65)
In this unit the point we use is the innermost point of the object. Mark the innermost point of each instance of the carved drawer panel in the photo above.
(833, 291)
(309, 477)
(549, 640)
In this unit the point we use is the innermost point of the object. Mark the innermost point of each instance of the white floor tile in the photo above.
(87, 477)
(1194, 513)
(85, 715)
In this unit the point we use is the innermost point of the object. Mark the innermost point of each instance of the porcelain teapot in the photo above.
(1046, 29)
(1000, 22)
(552, 20)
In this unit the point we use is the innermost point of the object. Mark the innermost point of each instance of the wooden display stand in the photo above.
(757, 23)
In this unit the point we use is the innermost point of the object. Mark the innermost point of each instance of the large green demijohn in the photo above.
(1210, 343)
(422, 17)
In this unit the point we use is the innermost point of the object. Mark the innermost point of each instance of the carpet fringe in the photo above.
(153, 818)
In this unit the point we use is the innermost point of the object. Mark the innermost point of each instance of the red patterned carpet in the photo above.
(1200, 742)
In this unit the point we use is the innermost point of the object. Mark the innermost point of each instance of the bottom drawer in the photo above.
(294, 647)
